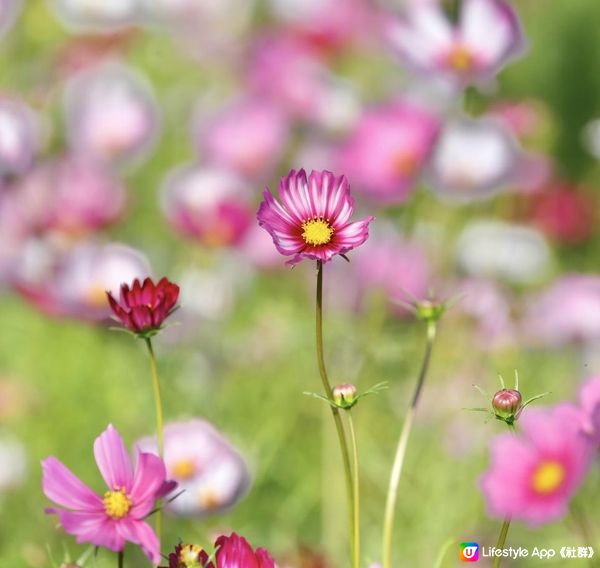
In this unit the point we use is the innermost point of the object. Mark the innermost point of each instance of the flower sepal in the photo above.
(346, 396)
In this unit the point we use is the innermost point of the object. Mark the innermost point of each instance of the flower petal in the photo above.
(113, 460)
(64, 488)
(352, 235)
(149, 477)
(142, 534)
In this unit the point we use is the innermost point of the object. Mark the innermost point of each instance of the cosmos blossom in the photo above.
(533, 475)
(487, 35)
(233, 551)
(118, 516)
(143, 307)
(313, 218)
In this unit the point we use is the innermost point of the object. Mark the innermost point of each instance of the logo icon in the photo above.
(469, 551)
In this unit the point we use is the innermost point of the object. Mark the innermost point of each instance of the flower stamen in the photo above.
(317, 232)
(116, 504)
(547, 477)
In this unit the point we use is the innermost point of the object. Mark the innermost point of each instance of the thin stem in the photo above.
(339, 426)
(392, 496)
(120, 559)
(356, 492)
(501, 541)
(159, 420)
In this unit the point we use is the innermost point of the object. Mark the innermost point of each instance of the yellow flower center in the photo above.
(116, 503)
(184, 469)
(317, 232)
(209, 500)
(548, 477)
(188, 556)
(404, 164)
(461, 59)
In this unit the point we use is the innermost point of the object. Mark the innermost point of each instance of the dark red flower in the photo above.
(234, 552)
(188, 556)
(144, 307)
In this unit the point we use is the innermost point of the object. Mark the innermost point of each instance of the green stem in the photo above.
(583, 526)
(501, 541)
(356, 492)
(392, 496)
(159, 421)
(339, 426)
(120, 558)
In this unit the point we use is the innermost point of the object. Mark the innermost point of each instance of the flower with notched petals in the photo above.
(143, 307)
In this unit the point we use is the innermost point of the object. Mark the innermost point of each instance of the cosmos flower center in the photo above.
(317, 232)
(404, 164)
(116, 504)
(547, 477)
(189, 556)
(460, 59)
(184, 469)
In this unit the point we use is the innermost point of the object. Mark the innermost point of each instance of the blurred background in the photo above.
(136, 138)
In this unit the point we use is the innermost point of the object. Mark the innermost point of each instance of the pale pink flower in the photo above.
(19, 136)
(208, 204)
(118, 516)
(111, 114)
(96, 16)
(534, 474)
(209, 470)
(313, 219)
(248, 137)
(9, 11)
(387, 149)
(566, 312)
(487, 35)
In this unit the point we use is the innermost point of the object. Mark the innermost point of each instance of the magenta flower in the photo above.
(118, 516)
(487, 35)
(312, 220)
(388, 148)
(533, 475)
(234, 551)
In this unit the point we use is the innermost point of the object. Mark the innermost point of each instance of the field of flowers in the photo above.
(299, 283)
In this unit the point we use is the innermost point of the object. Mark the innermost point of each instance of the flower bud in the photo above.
(430, 311)
(344, 396)
(507, 403)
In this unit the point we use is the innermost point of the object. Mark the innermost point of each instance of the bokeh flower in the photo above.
(209, 470)
(473, 160)
(9, 11)
(111, 114)
(387, 149)
(143, 307)
(19, 135)
(533, 475)
(312, 220)
(208, 204)
(118, 516)
(13, 462)
(247, 137)
(96, 16)
(486, 36)
(568, 311)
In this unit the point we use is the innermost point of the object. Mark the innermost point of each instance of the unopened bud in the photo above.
(344, 396)
(430, 311)
(507, 403)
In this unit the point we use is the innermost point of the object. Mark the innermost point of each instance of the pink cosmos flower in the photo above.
(212, 473)
(208, 204)
(118, 516)
(387, 149)
(534, 474)
(487, 35)
(589, 403)
(312, 220)
(234, 551)
(567, 312)
(247, 137)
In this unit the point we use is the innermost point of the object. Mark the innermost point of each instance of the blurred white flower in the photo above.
(19, 137)
(211, 473)
(9, 11)
(509, 252)
(13, 462)
(473, 159)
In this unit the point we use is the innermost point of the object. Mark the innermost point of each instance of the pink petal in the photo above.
(353, 234)
(140, 533)
(294, 194)
(64, 488)
(150, 474)
(113, 460)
